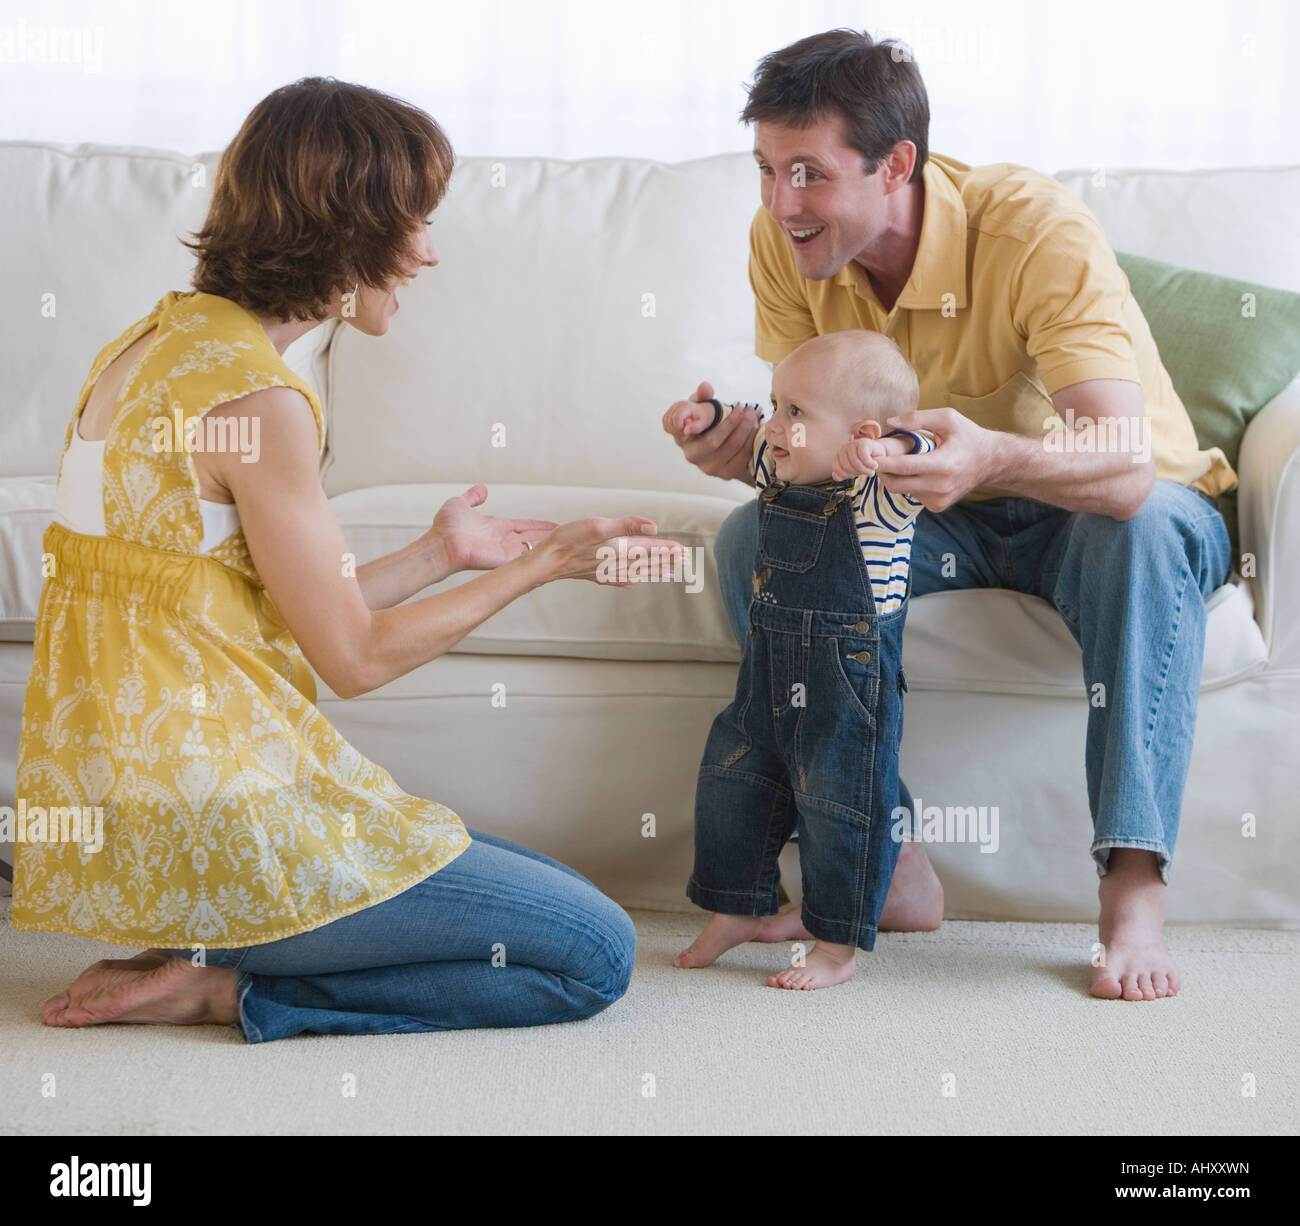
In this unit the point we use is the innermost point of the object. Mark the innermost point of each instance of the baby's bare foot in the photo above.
(914, 902)
(826, 966)
(152, 988)
(1135, 964)
(786, 925)
(721, 933)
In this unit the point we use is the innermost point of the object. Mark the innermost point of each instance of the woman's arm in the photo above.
(462, 538)
(389, 580)
(301, 556)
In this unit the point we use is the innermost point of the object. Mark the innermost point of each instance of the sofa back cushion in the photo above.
(572, 304)
(1229, 346)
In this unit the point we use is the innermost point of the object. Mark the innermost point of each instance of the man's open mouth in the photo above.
(802, 237)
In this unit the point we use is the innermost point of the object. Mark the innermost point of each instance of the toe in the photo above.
(1131, 989)
(1107, 988)
(1144, 986)
(1159, 984)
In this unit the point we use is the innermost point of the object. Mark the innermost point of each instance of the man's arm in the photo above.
(1105, 469)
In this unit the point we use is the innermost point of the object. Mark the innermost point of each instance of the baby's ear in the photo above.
(868, 427)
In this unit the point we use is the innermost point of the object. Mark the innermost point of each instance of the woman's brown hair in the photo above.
(321, 188)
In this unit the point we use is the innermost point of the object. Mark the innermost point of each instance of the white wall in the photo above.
(1113, 82)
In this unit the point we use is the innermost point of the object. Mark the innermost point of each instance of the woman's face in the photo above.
(375, 305)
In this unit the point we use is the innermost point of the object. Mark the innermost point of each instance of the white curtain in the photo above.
(1110, 83)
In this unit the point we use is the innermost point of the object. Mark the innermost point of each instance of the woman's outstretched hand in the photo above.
(616, 552)
(475, 541)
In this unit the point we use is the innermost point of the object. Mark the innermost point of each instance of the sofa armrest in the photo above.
(1268, 511)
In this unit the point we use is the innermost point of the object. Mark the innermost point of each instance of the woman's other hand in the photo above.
(616, 552)
(472, 540)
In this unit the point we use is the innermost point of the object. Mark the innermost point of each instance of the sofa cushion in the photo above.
(1229, 347)
(990, 641)
(92, 240)
(995, 641)
(26, 508)
(651, 621)
(573, 302)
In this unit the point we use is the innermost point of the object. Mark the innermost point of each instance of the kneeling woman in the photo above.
(189, 592)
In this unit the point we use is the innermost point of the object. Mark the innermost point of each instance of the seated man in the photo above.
(1001, 290)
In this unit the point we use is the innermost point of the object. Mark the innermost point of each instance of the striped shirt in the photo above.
(885, 521)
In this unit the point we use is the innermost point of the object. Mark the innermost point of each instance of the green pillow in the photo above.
(1225, 364)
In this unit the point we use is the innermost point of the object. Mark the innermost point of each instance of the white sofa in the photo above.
(573, 302)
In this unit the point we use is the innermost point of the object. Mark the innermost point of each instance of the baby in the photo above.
(810, 741)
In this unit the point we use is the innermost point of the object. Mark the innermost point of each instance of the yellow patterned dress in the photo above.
(167, 690)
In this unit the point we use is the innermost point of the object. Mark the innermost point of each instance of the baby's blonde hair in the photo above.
(867, 368)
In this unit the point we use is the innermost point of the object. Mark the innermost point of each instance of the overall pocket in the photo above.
(853, 664)
(789, 540)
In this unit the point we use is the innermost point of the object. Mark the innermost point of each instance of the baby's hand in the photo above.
(689, 418)
(857, 458)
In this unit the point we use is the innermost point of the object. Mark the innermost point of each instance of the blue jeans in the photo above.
(810, 742)
(502, 936)
(1132, 593)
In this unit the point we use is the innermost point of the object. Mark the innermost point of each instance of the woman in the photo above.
(285, 882)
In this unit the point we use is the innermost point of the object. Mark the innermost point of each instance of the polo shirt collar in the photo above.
(940, 264)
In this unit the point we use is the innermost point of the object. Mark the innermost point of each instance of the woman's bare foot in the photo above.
(826, 966)
(1135, 963)
(914, 902)
(153, 988)
(721, 933)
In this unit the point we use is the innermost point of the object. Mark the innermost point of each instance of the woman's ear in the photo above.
(868, 427)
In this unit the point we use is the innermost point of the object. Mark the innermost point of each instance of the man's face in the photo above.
(844, 206)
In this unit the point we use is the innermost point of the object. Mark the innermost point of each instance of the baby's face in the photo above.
(810, 423)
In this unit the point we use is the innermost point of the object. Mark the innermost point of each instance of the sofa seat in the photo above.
(1010, 643)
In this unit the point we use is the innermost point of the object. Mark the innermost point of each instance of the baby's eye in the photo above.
(795, 410)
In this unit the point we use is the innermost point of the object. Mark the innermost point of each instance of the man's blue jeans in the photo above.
(502, 936)
(1132, 592)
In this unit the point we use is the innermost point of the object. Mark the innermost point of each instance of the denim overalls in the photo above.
(810, 741)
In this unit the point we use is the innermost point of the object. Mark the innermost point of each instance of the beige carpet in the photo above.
(996, 1012)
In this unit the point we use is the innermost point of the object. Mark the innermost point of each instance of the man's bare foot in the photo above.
(915, 899)
(914, 902)
(153, 987)
(826, 966)
(721, 933)
(1135, 964)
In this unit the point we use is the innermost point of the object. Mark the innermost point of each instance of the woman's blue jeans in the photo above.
(1132, 593)
(501, 936)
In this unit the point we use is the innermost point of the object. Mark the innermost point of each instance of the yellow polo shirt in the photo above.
(1014, 294)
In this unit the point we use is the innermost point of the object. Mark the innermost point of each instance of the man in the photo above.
(1000, 288)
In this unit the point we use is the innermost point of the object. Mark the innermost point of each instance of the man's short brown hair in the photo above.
(875, 87)
(322, 188)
